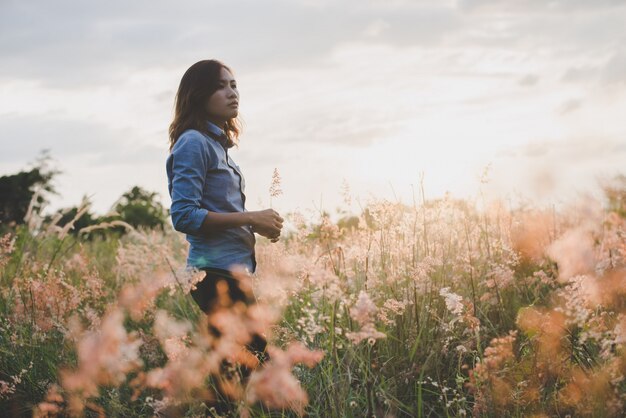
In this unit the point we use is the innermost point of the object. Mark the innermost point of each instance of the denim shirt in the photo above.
(202, 177)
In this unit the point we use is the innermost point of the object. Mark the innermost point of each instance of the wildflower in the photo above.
(390, 309)
(454, 302)
(499, 351)
(530, 234)
(327, 283)
(364, 309)
(363, 313)
(51, 406)
(275, 189)
(590, 392)
(309, 324)
(548, 329)
(171, 333)
(573, 253)
(138, 298)
(6, 389)
(32, 218)
(82, 209)
(367, 332)
(345, 193)
(488, 380)
(105, 225)
(542, 278)
(608, 290)
(51, 299)
(328, 230)
(105, 357)
(77, 262)
(275, 386)
(501, 276)
(7, 244)
(184, 372)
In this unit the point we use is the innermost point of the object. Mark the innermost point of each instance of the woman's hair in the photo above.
(199, 83)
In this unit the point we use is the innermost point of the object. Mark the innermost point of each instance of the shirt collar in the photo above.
(218, 134)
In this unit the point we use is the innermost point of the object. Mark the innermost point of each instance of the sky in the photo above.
(372, 96)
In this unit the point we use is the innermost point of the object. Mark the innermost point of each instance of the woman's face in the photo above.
(223, 105)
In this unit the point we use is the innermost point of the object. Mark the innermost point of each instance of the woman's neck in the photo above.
(219, 123)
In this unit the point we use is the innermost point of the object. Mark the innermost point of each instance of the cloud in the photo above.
(534, 6)
(321, 80)
(67, 43)
(571, 150)
(529, 80)
(342, 127)
(576, 30)
(611, 73)
(71, 44)
(69, 139)
(580, 74)
(559, 170)
(569, 106)
(614, 72)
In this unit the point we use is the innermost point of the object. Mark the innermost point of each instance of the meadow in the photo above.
(441, 308)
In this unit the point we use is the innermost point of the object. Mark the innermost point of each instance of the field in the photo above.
(439, 308)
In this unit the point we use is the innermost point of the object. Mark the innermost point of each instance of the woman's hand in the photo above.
(267, 223)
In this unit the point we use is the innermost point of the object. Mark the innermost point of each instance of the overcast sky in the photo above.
(370, 93)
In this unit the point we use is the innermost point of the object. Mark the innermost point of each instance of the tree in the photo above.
(615, 192)
(63, 216)
(140, 208)
(17, 190)
(351, 223)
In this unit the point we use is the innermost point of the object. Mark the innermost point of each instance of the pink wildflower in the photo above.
(104, 358)
(573, 253)
(275, 385)
(363, 312)
(454, 302)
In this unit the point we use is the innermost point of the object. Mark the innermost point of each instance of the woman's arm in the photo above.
(187, 166)
(186, 169)
(264, 222)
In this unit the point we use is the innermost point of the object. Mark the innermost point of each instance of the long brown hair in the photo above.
(199, 83)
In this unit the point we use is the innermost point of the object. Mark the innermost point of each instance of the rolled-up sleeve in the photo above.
(187, 165)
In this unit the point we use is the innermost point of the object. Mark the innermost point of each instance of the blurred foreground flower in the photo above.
(364, 312)
(275, 385)
(105, 357)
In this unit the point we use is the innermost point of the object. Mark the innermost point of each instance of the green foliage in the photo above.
(63, 217)
(137, 207)
(615, 193)
(26, 351)
(348, 222)
(17, 190)
(421, 368)
(140, 208)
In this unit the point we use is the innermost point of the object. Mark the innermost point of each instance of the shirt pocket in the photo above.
(243, 179)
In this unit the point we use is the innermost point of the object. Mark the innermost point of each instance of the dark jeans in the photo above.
(207, 296)
(205, 293)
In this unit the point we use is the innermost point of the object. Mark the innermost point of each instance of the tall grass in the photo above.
(435, 309)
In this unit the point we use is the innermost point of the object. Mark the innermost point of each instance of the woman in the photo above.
(207, 187)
